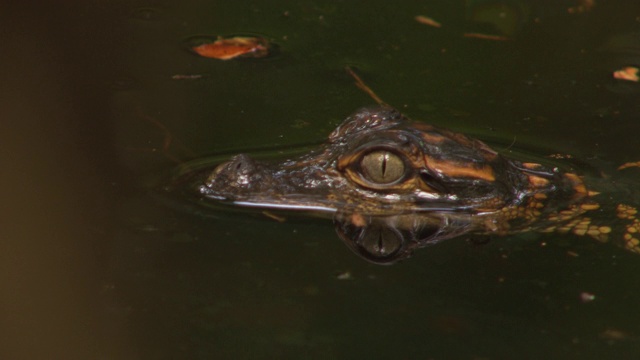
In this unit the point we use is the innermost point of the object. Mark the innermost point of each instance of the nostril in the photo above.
(240, 173)
(242, 164)
(239, 165)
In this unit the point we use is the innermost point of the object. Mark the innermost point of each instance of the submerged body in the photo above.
(393, 185)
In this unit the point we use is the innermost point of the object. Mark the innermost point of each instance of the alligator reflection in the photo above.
(393, 185)
(385, 240)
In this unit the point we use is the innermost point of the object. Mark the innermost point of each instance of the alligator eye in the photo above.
(382, 167)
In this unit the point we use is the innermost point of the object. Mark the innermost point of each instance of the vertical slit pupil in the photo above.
(380, 243)
(384, 164)
(382, 167)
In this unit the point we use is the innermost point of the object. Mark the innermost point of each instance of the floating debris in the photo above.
(486, 36)
(586, 297)
(231, 48)
(344, 276)
(614, 334)
(187, 77)
(629, 164)
(427, 21)
(362, 86)
(628, 73)
(583, 6)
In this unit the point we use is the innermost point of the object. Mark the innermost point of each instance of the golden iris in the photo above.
(382, 167)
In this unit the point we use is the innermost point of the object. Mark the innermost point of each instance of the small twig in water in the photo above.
(362, 86)
(168, 140)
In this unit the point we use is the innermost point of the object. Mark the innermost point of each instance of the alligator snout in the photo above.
(239, 175)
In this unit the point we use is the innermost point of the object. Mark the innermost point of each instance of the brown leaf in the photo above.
(231, 48)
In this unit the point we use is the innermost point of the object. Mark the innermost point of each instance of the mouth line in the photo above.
(216, 197)
(271, 205)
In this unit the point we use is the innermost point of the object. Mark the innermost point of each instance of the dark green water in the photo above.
(102, 268)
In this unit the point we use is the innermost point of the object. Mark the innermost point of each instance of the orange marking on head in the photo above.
(432, 138)
(450, 169)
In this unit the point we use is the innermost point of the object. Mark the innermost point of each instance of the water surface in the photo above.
(153, 278)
